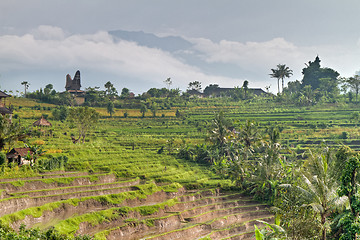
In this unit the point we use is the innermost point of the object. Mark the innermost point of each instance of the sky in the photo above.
(42, 41)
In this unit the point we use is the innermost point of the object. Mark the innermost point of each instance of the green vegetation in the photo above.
(297, 151)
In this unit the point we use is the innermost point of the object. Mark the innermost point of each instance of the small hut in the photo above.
(3, 109)
(42, 122)
(18, 155)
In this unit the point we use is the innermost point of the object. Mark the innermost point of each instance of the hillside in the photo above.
(118, 184)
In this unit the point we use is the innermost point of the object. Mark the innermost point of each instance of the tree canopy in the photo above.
(84, 118)
(313, 73)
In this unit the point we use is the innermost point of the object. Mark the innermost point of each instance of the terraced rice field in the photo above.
(130, 191)
(107, 207)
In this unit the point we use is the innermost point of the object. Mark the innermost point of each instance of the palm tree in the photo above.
(26, 85)
(249, 137)
(281, 72)
(319, 188)
(245, 87)
(219, 134)
(108, 85)
(354, 84)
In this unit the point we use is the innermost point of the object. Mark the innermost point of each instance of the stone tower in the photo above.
(73, 84)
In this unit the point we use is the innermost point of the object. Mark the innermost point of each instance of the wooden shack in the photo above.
(17, 155)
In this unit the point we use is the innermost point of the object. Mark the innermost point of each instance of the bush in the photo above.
(53, 163)
(2, 158)
(344, 135)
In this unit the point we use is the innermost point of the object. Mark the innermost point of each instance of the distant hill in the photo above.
(169, 43)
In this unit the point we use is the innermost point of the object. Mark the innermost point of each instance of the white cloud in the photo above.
(52, 49)
(46, 32)
(49, 48)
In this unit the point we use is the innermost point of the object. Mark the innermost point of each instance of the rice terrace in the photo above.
(223, 163)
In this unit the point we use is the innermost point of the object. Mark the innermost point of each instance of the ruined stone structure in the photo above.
(73, 84)
(73, 87)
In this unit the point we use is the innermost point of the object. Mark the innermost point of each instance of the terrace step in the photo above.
(47, 175)
(72, 189)
(170, 223)
(204, 228)
(49, 183)
(61, 210)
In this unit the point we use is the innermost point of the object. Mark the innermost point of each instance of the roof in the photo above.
(256, 91)
(18, 151)
(42, 122)
(3, 95)
(4, 110)
(194, 92)
(75, 91)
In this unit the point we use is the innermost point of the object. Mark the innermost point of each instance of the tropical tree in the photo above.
(219, 133)
(48, 89)
(354, 84)
(196, 85)
(108, 86)
(154, 109)
(26, 86)
(84, 118)
(281, 72)
(125, 92)
(348, 224)
(245, 86)
(168, 83)
(110, 108)
(143, 109)
(314, 72)
(249, 137)
(60, 113)
(319, 187)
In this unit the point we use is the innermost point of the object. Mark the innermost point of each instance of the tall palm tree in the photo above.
(245, 87)
(281, 72)
(108, 86)
(26, 86)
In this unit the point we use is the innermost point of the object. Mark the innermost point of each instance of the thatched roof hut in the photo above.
(42, 122)
(3, 109)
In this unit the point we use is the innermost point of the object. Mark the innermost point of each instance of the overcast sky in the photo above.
(41, 41)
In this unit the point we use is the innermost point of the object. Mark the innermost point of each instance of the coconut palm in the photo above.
(281, 72)
(26, 86)
(219, 134)
(319, 188)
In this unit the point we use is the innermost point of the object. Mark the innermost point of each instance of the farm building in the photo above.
(42, 122)
(17, 155)
(3, 109)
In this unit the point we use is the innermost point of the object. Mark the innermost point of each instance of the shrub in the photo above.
(2, 158)
(53, 163)
(344, 135)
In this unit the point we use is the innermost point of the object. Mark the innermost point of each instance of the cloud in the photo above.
(257, 58)
(127, 64)
(50, 48)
